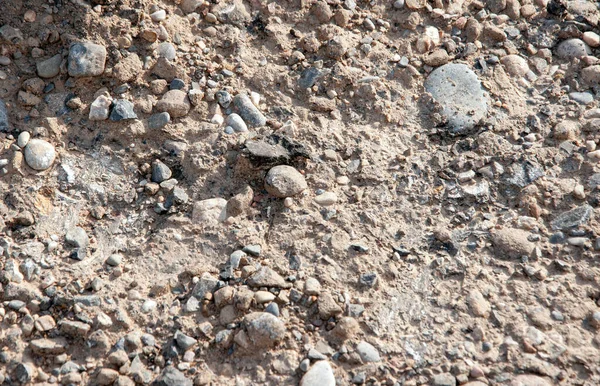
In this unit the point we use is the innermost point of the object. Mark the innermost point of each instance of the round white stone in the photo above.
(39, 154)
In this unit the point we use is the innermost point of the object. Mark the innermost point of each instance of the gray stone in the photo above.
(572, 218)
(172, 377)
(573, 48)
(25, 372)
(122, 109)
(458, 90)
(183, 341)
(252, 249)
(3, 116)
(266, 277)
(74, 328)
(177, 196)
(584, 98)
(320, 374)
(114, 260)
(160, 172)
(367, 352)
(77, 237)
(273, 309)
(49, 68)
(39, 154)
(223, 98)
(309, 77)
(284, 181)
(206, 284)
(236, 123)
(264, 329)
(88, 300)
(86, 59)
(523, 174)
(11, 34)
(249, 113)
(166, 50)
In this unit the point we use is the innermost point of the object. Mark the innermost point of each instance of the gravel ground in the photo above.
(313, 193)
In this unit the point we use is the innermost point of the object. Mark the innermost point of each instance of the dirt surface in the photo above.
(286, 193)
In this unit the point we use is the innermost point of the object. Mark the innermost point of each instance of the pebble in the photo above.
(86, 59)
(584, 98)
(515, 65)
(114, 260)
(478, 305)
(459, 92)
(3, 117)
(573, 48)
(170, 376)
(45, 323)
(529, 380)
(39, 154)
(263, 297)
(591, 38)
(184, 341)
(326, 199)
(49, 68)
(23, 139)
(100, 108)
(236, 123)
(174, 102)
(252, 249)
(284, 181)
(249, 113)
(149, 306)
(266, 277)
(166, 50)
(177, 84)
(512, 243)
(312, 286)
(160, 172)
(264, 329)
(158, 121)
(122, 110)
(444, 379)
(159, 15)
(210, 210)
(367, 352)
(273, 309)
(319, 374)
(223, 98)
(572, 218)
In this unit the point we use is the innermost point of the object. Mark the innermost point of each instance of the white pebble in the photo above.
(326, 199)
(342, 180)
(255, 98)
(23, 139)
(148, 306)
(592, 39)
(217, 119)
(159, 15)
(590, 145)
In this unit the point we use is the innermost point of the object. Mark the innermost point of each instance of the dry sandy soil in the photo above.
(168, 245)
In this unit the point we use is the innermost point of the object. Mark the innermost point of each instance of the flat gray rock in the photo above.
(49, 68)
(458, 90)
(86, 59)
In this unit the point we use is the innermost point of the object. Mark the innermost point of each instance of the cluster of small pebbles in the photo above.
(316, 193)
